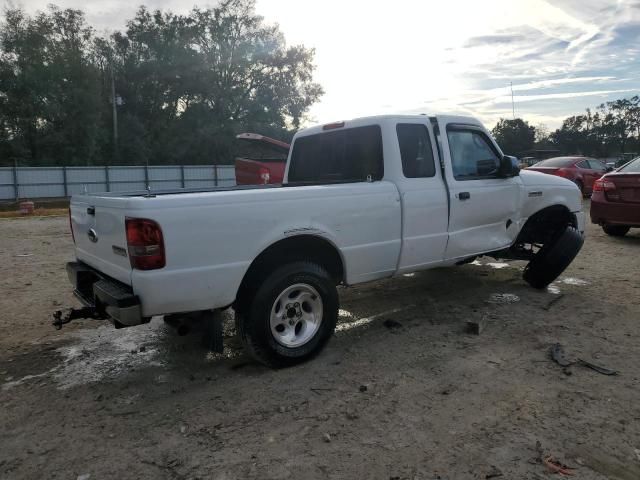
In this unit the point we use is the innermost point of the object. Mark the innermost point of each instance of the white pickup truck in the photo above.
(361, 200)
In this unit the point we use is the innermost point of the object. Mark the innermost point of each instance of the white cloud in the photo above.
(378, 56)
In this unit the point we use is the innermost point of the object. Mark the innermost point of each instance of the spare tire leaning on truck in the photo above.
(553, 258)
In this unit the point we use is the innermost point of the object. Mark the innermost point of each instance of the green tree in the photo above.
(49, 87)
(514, 136)
(184, 86)
(194, 81)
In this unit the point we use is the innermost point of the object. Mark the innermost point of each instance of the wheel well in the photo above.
(299, 247)
(542, 225)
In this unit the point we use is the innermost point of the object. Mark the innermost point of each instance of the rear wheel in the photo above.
(580, 186)
(553, 258)
(292, 315)
(616, 230)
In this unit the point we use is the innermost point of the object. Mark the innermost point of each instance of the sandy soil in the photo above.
(418, 399)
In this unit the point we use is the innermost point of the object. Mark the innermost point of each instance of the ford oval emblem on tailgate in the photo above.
(93, 236)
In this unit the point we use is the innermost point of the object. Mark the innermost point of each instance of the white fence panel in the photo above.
(43, 182)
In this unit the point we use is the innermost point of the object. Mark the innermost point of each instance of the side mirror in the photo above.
(609, 169)
(509, 167)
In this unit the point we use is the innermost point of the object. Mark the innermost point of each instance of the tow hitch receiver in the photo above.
(61, 317)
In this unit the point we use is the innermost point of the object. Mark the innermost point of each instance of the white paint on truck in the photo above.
(380, 228)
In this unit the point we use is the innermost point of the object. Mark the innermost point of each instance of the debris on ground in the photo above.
(477, 326)
(551, 463)
(363, 388)
(559, 356)
(598, 368)
(503, 298)
(326, 437)
(555, 466)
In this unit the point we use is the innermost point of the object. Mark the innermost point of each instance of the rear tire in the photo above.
(616, 230)
(553, 258)
(291, 317)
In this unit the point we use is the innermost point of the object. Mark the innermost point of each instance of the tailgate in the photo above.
(99, 232)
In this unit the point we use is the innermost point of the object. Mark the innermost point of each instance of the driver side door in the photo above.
(484, 207)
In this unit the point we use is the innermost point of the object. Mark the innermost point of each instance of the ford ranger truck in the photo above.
(361, 200)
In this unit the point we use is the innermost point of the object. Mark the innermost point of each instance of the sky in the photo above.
(377, 57)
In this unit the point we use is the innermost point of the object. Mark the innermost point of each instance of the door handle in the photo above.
(464, 196)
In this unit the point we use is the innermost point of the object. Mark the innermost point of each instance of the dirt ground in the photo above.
(403, 391)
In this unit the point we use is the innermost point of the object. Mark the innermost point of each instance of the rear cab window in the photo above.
(415, 150)
(345, 155)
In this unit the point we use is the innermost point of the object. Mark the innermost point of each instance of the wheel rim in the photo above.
(296, 315)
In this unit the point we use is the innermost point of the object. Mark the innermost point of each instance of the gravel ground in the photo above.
(403, 391)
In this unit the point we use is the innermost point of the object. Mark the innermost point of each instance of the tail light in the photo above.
(145, 244)
(71, 226)
(608, 187)
(563, 172)
(265, 175)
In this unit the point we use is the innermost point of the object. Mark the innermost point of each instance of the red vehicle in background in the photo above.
(261, 159)
(582, 171)
(615, 203)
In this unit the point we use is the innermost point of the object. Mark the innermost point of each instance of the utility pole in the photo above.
(513, 106)
(115, 114)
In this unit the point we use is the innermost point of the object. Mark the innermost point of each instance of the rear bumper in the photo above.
(106, 295)
(604, 212)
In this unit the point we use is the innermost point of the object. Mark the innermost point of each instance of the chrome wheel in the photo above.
(296, 315)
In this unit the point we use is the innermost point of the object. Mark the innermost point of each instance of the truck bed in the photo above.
(212, 235)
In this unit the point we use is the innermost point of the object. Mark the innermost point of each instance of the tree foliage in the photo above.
(614, 128)
(184, 86)
(514, 136)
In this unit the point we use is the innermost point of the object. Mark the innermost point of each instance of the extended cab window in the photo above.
(351, 154)
(472, 155)
(415, 150)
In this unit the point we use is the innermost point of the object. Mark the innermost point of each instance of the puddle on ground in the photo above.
(354, 322)
(104, 353)
(495, 265)
(503, 298)
(573, 281)
(554, 289)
